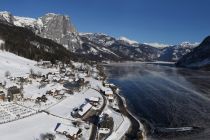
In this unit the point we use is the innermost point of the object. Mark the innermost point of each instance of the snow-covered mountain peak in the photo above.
(187, 44)
(6, 16)
(24, 21)
(158, 45)
(5, 13)
(129, 41)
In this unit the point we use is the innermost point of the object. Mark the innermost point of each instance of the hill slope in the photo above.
(199, 57)
(24, 42)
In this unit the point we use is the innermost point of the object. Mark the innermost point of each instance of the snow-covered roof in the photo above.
(108, 91)
(94, 99)
(66, 128)
(84, 109)
(111, 98)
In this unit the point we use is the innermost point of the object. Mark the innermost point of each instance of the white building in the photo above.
(67, 130)
(84, 108)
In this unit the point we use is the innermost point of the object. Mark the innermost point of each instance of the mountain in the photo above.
(24, 42)
(60, 29)
(175, 52)
(199, 57)
(121, 49)
(158, 45)
(52, 26)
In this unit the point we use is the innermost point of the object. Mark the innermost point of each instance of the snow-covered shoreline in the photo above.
(141, 126)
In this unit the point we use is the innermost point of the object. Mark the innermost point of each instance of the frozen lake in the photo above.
(173, 102)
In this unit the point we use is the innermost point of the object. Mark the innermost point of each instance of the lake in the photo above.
(172, 102)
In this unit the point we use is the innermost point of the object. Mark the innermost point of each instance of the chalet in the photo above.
(93, 100)
(84, 108)
(106, 84)
(45, 81)
(55, 79)
(14, 94)
(62, 70)
(109, 94)
(74, 86)
(68, 91)
(43, 98)
(22, 79)
(54, 92)
(81, 81)
(2, 96)
(69, 131)
(105, 123)
(68, 73)
(46, 64)
(2, 85)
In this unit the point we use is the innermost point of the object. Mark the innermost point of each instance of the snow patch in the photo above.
(1, 42)
(157, 45)
(128, 40)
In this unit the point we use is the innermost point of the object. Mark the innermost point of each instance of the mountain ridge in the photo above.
(199, 57)
(60, 29)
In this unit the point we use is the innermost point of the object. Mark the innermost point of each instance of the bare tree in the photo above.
(7, 74)
(47, 136)
(31, 71)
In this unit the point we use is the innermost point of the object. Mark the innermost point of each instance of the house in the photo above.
(14, 94)
(2, 96)
(93, 100)
(109, 94)
(105, 124)
(74, 86)
(106, 84)
(22, 79)
(46, 64)
(54, 92)
(2, 85)
(67, 130)
(84, 108)
(62, 70)
(43, 98)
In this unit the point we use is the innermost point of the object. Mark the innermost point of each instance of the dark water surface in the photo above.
(171, 100)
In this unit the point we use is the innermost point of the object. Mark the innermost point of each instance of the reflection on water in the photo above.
(165, 96)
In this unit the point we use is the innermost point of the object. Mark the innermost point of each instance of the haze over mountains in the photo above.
(60, 29)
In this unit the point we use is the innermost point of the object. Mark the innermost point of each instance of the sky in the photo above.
(163, 21)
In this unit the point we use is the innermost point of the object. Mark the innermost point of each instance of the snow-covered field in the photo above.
(31, 128)
(10, 111)
(65, 107)
(17, 66)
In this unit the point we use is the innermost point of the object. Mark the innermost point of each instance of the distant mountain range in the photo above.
(60, 29)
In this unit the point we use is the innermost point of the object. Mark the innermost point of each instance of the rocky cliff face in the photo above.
(52, 26)
(60, 29)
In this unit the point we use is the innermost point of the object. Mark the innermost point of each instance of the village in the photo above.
(74, 98)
